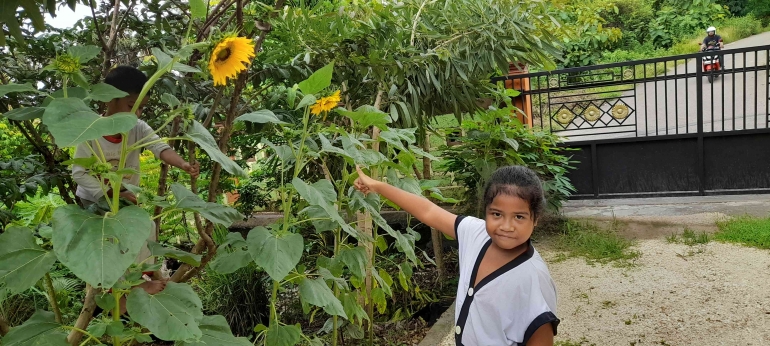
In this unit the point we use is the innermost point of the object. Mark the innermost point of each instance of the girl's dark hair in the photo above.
(516, 181)
(127, 79)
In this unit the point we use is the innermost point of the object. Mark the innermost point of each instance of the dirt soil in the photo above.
(708, 294)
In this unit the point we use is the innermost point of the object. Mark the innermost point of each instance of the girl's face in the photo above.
(509, 221)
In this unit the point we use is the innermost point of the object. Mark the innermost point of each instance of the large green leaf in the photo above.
(40, 330)
(84, 53)
(231, 255)
(278, 335)
(72, 122)
(197, 9)
(366, 116)
(326, 146)
(277, 254)
(216, 332)
(261, 116)
(33, 12)
(76, 92)
(355, 259)
(384, 280)
(171, 315)
(24, 113)
(99, 249)
(317, 293)
(406, 244)
(186, 257)
(366, 157)
(352, 308)
(320, 219)
(16, 88)
(318, 81)
(214, 212)
(104, 92)
(180, 67)
(317, 198)
(22, 261)
(200, 135)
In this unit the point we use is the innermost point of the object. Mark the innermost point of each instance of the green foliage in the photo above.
(21, 179)
(587, 35)
(680, 17)
(72, 122)
(241, 296)
(494, 139)
(748, 231)
(172, 314)
(276, 253)
(216, 332)
(24, 261)
(689, 238)
(40, 330)
(214, 212)
(596, 244)
(99, 249)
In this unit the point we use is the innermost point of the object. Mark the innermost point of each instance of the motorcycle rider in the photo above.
(712, 39)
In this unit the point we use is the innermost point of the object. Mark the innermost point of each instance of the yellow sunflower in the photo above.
(325, 104)
(231, 56)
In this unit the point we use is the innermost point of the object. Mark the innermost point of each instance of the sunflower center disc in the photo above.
(223, 54)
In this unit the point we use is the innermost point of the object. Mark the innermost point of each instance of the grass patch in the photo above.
(689, 238)
(595, 244)
(746, 231)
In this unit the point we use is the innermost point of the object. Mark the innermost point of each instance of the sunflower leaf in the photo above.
(200, 135)
(318, 81)
(261, 116)
(197, 9)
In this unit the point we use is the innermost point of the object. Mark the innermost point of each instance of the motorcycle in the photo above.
(711, 63)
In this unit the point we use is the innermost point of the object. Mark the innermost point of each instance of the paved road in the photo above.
(734, 101)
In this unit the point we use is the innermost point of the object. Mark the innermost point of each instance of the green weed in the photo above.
(745, 230)
(689, 238)
(596, 244)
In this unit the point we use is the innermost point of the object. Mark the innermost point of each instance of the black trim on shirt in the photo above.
(463, 318)
(539, 321)
(458, 219)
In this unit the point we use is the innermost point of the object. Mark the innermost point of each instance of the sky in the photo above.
(66, 18)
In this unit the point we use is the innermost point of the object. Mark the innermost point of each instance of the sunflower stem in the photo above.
(64, 86)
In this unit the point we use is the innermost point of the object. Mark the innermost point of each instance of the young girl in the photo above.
(505, 295)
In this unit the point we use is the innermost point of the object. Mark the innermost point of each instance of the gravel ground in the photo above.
(712, 294)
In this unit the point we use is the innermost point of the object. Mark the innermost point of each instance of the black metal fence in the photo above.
(653, 97)
(659, 127)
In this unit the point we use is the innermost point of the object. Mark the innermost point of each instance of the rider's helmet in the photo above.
(711, 31)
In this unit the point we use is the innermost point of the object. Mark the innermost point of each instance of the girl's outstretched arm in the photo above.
(421, 208)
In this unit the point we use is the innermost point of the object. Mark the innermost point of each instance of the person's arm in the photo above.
(170, 157)
(542, 337)
(164, 152)
(421, 208)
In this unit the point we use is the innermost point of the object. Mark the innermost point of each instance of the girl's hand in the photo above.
(364, 183)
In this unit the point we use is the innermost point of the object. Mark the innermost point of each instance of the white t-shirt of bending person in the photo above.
(89, 188)
(508, 305)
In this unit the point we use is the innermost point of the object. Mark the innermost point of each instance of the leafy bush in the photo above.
(632, 17)
(677, 18)
(586, 33)
(494, 139)
(241, 297)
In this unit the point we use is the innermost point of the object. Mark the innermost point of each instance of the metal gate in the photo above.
(658, 127)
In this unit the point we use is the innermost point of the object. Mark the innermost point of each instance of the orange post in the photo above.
(522, 102)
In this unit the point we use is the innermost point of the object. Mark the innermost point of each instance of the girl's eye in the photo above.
(519, 217)
(497, 214)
